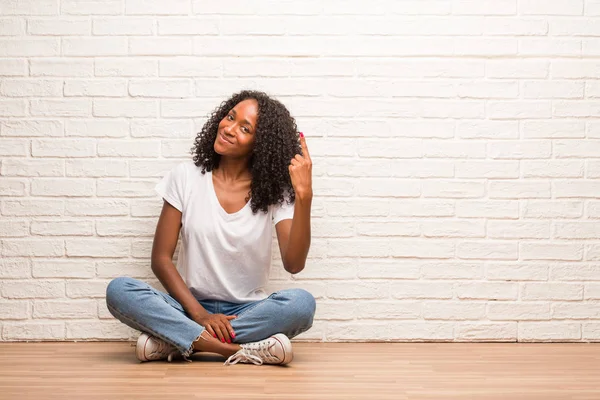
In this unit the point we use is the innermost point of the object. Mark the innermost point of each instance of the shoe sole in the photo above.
(140, 347)
(288, 354)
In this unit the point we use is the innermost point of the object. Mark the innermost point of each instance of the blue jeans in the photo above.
(144, 308)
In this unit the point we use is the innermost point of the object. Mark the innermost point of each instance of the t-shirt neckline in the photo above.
(213, 195)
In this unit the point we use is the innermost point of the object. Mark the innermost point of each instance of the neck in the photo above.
(231, 170)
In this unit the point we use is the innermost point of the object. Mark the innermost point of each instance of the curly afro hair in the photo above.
(276, 143)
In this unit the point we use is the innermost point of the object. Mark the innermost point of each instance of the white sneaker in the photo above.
(275, 350)
(150, 348)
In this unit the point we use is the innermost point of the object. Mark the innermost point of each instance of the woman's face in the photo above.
(236, 133)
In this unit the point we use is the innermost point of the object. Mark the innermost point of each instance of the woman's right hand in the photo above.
(218, 326)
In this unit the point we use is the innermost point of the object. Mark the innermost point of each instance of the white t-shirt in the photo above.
(222, 256)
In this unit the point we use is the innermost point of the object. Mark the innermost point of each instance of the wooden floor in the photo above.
(319, 371)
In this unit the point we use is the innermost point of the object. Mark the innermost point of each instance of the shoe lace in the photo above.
(255, 353)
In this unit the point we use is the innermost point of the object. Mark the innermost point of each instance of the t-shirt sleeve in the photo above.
(283, 211)
(172, 186)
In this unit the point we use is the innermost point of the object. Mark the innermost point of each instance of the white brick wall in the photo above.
(456, 149)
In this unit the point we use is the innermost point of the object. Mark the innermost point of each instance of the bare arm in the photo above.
(293, 236)
(163, 247)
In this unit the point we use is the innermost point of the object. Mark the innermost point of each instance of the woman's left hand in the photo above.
(301, 172)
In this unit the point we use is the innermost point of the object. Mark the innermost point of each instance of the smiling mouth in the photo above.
(224, 138)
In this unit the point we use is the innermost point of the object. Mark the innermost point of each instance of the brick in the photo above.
(113, 269)
(388, 188)
(86, 288)
(123, 26)
(384, 229)
(128, 148)
(487, 290)
(61, 67)
(553, 129)
(516, 272)
(13, 187)
(149, 7)
(59, 26)
(453, 188)
(33, 289)
(31, 88)
(13, 108)
(575, 272)
(125, 188)
(421, 290)
(453, 229)
(14, 228)
(453, 149)
(421, 249)
(517, 69)
(161, 128)
(487, 208)
(96, 207)
(551, 251)
(486, 250)
(487, 169)
(62, 228)
(14, 310)
(30, 47)
(387, 269)
(575, 311)
(63, 269)
(486, 331)
(26, 207)
(173, 46)
(519, 189)
(552, 168)
(26, 128)
(13, 67)
(592, 252)
(94, 46)
(30, 247)
(452, 310)
(488, 130)
(96, 168)
(90, 329)
(552, 209)
(518, 311)
(14, 147)
(26, 330)
(557, 7)
(15, 268)
(575, 189)
(64, 309)
(125, 108)
(62, 187)
(390, 148)
(518, 230)
(29, 168)
(397, 310)
(105, 248)
(61, 108)
(99, 87)
(458, 270)
(551, 291)
(125, 67)
(128, 227)
(553, 90)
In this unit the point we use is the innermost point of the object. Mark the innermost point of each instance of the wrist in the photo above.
(304, 196)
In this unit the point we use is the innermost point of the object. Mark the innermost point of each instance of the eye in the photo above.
(245, 129)
(230, 117)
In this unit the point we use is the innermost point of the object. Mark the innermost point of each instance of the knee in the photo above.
(116, 289)
(304, 305)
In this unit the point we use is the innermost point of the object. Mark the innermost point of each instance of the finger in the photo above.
(224, 333)
(231, 331)
(295, 162)
(210, 330)
(230, 317)
(220, 336)
(298, 157)
(305, 152)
